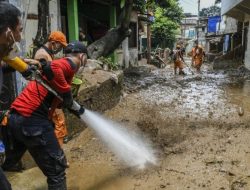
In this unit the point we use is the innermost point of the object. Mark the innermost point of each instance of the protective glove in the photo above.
(2, 153)
(30, 72)
(77, 109)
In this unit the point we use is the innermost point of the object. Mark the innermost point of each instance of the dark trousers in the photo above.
(38, 137)
(4, 183)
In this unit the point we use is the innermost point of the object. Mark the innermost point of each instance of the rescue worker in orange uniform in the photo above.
(178, 60)
(56, 42)
(197, 56)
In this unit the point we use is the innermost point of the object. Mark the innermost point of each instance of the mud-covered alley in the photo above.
(124, 95)
(197, 124)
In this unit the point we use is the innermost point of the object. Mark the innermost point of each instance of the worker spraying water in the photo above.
(30, 116)
(127, 147)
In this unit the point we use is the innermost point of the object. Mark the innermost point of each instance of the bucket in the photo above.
(75, 85)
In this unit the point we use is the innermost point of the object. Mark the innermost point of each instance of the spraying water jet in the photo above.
(126, 145)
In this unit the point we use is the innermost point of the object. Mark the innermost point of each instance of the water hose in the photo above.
(16, 63)
(19, 65)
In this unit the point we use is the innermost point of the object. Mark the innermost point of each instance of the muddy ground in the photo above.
(199, 126)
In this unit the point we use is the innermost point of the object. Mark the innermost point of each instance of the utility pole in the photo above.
(185, 25)
(198, 26)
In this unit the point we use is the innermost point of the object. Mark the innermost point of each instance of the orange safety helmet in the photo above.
(58, 36)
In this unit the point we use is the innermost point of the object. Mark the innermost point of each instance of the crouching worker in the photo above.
(30, 120)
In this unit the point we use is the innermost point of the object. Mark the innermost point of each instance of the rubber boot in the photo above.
(18, 167)
(62, 186)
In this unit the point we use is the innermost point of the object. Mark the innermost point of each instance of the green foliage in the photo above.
(211, 11)
(174, 11)
(122, 3)
(142, 5)
(167, 21)
(160, 3)
(108, 61)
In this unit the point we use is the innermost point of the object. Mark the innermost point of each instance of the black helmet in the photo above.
(75, 47)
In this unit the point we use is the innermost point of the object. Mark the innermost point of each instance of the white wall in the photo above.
(247, 53)
(130, 55)
(31, 25)
(227, 5)
(228, 25)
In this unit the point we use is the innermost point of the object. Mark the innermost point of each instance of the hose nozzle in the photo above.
(77, 109)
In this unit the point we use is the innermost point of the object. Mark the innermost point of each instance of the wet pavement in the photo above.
(198, 125)
(204, 95)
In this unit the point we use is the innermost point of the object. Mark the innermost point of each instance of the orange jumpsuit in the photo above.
(178, 63)
(60, 125)
(197, 57)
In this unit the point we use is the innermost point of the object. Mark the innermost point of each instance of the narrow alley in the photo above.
(124, 95)
(198, 125)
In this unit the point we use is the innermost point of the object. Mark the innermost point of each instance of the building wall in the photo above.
(228, 25)
(247, 53)
(32, 24)
(188, 27)
(227, 5)
(30, 27)
(130, 55)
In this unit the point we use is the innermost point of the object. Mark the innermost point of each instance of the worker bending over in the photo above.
(56, 42)
(30, 120)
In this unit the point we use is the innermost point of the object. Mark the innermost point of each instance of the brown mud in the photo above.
(199, 126)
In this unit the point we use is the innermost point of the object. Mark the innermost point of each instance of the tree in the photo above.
(108, 43)
(43, 23)
(210, 11)
(114, 37)
(167, 21)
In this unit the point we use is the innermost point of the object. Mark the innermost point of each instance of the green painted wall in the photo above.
(73, 26)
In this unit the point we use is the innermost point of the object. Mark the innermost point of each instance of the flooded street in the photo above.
(198, 125)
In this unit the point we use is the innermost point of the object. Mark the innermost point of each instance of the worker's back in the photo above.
(43, 54)
(177, 55)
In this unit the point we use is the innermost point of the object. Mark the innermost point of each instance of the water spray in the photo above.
(125, 144)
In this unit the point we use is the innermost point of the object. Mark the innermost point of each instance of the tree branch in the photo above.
(43, 23)
(108, 43)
